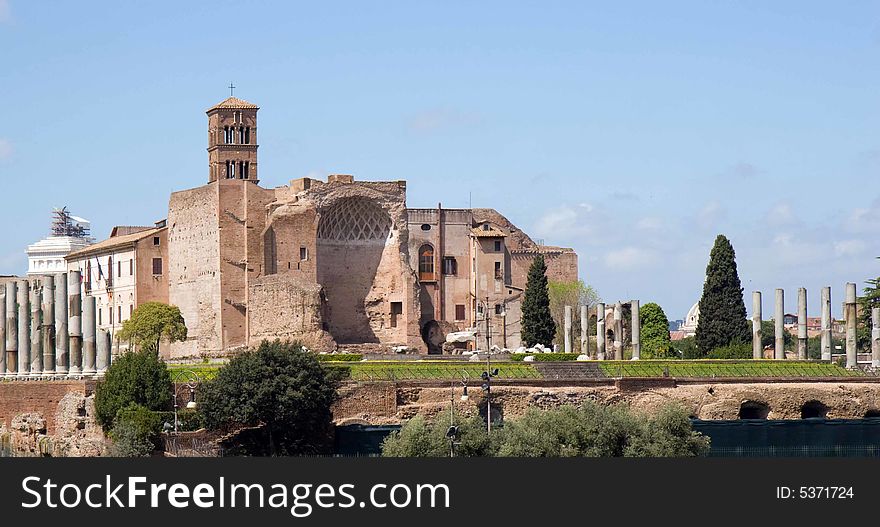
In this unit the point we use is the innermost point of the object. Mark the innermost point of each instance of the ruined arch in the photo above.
(432, 334)
(351, 237)
(754, 410)
(270, 252)
(814, 409)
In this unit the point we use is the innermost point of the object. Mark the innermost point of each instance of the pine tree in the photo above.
(537, 321)
(722, 311)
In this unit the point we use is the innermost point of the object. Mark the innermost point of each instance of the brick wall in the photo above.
(42, 397)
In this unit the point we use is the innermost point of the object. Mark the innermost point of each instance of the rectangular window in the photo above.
(499, 309)
(100, 312)
(498, 274)
(459, 312)
(109, 277)
(303, 253)
(157, 266)
(131, 267)
(119, 269)
(450, 266)
(130, 310)
(396, 311)
(119, 313)
(497, 246)
(156, 241)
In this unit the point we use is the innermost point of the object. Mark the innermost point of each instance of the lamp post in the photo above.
(189, 379)
(452, 432)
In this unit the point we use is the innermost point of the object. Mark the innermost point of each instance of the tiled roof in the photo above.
(491, 232)
(234, 102)
(112, 243)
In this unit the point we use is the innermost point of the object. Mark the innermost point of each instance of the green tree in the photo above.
(150, 323)
(135, 432)
(537, 320)
(768, 335)
(421, 438)
(595, 430)
(722, 311)
(867, 302)
(138, 377)
(574, 294)
(656, 343)
(686, 348)
(280, 388)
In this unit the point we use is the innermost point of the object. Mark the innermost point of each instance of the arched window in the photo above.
(426, 262)
(247, 135)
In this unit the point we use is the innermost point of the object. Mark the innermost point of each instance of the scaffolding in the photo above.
(63, 224)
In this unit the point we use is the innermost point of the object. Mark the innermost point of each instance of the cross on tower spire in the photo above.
(231, 87)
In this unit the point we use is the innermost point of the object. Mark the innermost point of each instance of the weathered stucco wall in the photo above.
(705, 401)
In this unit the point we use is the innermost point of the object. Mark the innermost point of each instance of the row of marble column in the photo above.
(850, 312)
(50, 330)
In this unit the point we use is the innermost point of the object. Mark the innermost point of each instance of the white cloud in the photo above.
(864, 219)
(650, 223)
(781, 215)
(5, 146)
(629, 258)
(845, 248)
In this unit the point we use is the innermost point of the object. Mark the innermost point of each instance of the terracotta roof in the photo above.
(113, 243)
(234, 102)
(491, 232)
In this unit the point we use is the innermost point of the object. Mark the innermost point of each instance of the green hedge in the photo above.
(187, 420)
(340, 357)
(545, 357)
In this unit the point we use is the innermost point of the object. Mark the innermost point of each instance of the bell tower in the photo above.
(232, 140)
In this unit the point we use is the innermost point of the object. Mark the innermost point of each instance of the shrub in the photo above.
(686, 348)
(135, 431)
(136, 377)
(421, 438)
(280, 388)
(733, 351)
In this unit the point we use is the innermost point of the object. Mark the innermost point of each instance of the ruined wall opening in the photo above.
(754, 410)
(814, 409)
(270, 254)
(872, 413)
(433, 337)
(350, 240)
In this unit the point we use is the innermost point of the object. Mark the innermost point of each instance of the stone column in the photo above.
(2, 332)
(875, 337)
(585, 335)
(600, 331)
(61, 337)
(48, 325)
(826, 324)
(74, 323)
(24, 329)
(779, 318)
(757, 319)
(36, 329)
(636, 330)
(11, 330)
(851, 314)
(567, 329)
(103, 347)
(618, 331)
(89, 336)
(802, 324)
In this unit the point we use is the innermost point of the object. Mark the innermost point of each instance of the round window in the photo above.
(426, 227)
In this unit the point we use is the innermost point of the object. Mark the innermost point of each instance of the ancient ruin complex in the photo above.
(337, 262)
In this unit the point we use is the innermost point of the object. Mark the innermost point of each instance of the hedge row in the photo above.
(545, 357)
(339, 357)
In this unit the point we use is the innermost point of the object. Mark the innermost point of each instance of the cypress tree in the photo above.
(722, 311)
(538, 326)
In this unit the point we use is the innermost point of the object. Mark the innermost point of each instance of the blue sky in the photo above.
(632, 131)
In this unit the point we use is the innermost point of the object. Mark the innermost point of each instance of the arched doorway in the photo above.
(433, 337)
(426, 263)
